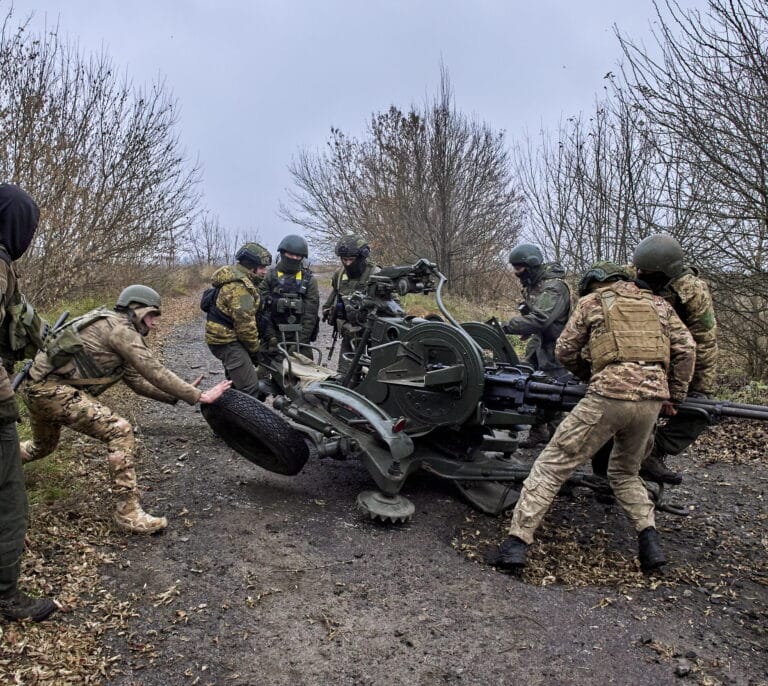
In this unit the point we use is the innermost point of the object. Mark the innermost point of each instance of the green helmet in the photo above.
(527, 255)
(138, 295)
(293, 244)
(353, 246)
(660, 253)
(253, 255)
(602, 271)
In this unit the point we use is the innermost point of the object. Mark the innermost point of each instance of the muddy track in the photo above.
(263, 579)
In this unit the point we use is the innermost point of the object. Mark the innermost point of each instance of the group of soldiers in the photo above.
(642, 337)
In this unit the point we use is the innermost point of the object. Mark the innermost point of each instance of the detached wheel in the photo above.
(257, 432)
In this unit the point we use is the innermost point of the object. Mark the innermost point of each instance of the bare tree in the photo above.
(100, 156)
(706, 97)
(429, 183)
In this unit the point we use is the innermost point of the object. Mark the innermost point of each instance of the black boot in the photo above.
(510, 555)
(19, 605)
(649, 550)
(654, 469)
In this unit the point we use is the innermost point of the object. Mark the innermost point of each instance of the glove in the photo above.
(506, 328)
(326, 314)
(9, 411)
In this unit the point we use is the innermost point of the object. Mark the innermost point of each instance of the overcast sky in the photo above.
(257, 81)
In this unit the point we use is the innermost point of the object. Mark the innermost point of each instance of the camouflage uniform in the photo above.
(689, 296)
(65, 396)
(333, 310)
(231, 332)
(281, 285)
(623, 401)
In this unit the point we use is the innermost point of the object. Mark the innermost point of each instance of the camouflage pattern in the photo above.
(549, 301)
(627, 380)
(238, 299)
(117, 349)
(595, 420)
(8, 286)
(689, 296)
(352, 246)
(343, 284)
(281, 279)
(55, 399)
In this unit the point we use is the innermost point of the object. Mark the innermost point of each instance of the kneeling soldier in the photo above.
(637, 356)
(87, 356)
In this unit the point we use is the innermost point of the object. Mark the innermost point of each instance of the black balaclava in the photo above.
(356, 269)
(19, 215)
(656, 280)
(289, 265)
(529, 276)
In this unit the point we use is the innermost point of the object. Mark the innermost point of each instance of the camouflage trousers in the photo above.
(588, 426)
(53, 404)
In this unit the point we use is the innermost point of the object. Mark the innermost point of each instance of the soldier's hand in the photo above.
(668, 409)
(197, 381)
(506, 328)
(215, 392)
(326, 314)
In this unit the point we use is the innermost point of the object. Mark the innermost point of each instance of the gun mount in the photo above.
(419, 393)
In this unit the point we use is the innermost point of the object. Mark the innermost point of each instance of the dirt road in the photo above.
(263, 579)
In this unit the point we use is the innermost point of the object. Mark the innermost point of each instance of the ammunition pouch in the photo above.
(24, 330)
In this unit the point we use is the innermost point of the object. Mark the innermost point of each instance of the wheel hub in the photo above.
(394, 509)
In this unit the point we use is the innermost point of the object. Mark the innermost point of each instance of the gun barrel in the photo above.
(726, 409)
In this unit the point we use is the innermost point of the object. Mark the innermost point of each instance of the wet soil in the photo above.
(265, 579)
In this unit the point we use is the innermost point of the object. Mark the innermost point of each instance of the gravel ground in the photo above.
(264, 579)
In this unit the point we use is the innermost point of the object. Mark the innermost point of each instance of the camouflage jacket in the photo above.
(8, 285)
(628, 380)
(690, 297)
(342, 284)
(116, 348)
(276, 285)
(549, 302)
(238, 299)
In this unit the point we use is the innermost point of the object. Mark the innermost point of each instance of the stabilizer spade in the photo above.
(394, 509)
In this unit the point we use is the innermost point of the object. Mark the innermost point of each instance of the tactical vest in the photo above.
(633, 331)
(285, 302)
(66, 354)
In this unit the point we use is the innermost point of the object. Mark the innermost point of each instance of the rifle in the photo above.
(334, 338)
(24, 372)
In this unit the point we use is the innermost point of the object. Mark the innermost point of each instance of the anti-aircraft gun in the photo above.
(419, 393)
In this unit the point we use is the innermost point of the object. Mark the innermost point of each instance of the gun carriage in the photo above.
(419, 393)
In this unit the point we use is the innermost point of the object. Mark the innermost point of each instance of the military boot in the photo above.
(16, 605)
(649, 550)
(654, 469)
(538, 434)
(130, 517)
(511, 555)
(19, 605)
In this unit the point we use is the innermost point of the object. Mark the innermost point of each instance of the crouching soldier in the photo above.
(84, 358)
(231, 305)
(638, 358)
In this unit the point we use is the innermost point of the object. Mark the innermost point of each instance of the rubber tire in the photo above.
(257, 432)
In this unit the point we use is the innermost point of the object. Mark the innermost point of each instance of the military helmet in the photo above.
(140, 295)
(602, 271)
(353, 246)
(293, 244)
(660, 253)
(253, 255)
(527, 255)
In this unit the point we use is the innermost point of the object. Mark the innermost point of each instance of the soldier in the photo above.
(231, 305)
(543, 314)
(19, 215)
(87, 356)
(638, 358)
(660, 263)
(290, 299)
(352, 276)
